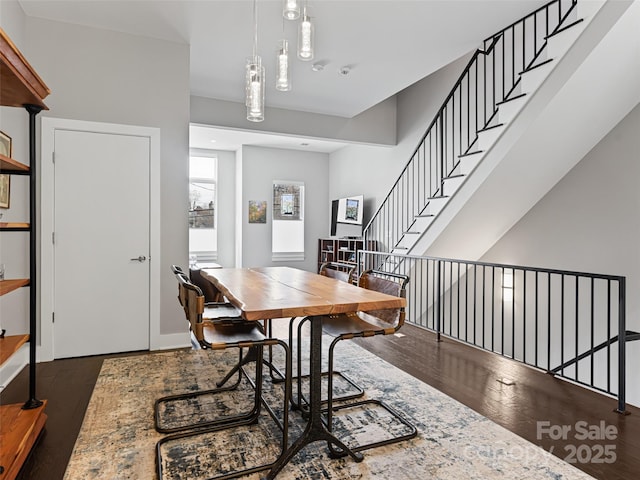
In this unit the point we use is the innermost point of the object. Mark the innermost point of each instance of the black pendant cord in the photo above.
(32, 402)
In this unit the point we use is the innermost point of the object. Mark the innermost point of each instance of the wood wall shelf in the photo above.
(16, 442)
(9, 165)
(14, 227)
(20, 83)
(10, 344)
(7, 286)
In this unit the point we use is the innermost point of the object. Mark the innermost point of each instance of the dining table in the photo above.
(283, 293)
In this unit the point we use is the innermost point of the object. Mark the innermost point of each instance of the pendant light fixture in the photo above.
(305, 36)
(283, 77)
(291, 9)
(254, 94)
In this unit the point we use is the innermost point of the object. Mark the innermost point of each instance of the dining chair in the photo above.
(344, 273)
(218, 326)
(363, 325)
(215, 299)
(213, 329)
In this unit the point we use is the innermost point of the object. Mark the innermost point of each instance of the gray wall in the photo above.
(103, 76)
(373, 126)
(226, 211)
(260, 167)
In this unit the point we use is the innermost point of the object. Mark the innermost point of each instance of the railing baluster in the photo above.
(562, 323)
(622, 345)
(475, 279)
(513, 314)
(549, 367)
(502, 319)
(535, 315)
(592, 324)
(577, 352)
(608, 334)
(493, 305)
(524, 315)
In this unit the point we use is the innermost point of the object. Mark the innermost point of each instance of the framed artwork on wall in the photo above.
(5, 144)
(286, 201)
(257, 211)
(5, 184)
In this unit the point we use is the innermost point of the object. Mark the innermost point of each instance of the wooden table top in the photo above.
(284, 292)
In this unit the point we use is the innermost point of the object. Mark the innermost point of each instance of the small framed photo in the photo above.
(257, 211)
(5, 183)
(5, 144)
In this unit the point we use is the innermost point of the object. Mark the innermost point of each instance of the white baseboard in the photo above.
(173, 340)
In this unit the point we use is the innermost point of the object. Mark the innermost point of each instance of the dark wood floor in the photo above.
(462, 372)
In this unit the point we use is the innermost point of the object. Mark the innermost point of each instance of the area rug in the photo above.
(117, 439)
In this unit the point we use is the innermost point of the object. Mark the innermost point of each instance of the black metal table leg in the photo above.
(316, 430)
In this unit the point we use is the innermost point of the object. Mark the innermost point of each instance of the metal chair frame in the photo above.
(387, 322)
(218, 334)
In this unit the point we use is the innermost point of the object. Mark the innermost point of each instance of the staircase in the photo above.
(515, 123)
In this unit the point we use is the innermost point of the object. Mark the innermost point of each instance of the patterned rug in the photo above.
(118, 439)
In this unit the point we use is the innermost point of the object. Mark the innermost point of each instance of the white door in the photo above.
(101, 243)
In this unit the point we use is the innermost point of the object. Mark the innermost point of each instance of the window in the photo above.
(203, 237)
(288, 221)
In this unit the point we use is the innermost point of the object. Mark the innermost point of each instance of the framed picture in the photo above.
(286, 201)
(257, 211)
(5, 144)
(5, 183)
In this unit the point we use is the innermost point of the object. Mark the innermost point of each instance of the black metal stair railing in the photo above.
(490, 78)
(565, 323)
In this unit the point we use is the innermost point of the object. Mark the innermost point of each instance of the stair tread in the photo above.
(566, 27)
(507, 100)
(491, 127)
(470, 153)
(457, 175)
(537, 65)
(438, 197)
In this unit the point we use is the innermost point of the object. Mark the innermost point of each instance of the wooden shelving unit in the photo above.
(21, 424)
(341, 250)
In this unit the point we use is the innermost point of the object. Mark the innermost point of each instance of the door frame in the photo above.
(46, 284)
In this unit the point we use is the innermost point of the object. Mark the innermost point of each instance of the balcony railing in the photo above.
(569, 324)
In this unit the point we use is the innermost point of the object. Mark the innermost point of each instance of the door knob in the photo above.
(140, 259)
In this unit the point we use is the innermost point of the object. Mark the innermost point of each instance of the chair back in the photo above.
(339, 271)
(391, 284)
(192, 301)
(176, 269)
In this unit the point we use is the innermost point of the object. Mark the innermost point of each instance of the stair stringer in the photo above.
(519, 169)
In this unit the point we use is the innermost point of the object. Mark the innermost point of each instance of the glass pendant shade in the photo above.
(305, 37)
(291, 9)
(255, 89)
(283, 77)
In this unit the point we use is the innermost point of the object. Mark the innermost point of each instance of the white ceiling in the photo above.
(387, 44)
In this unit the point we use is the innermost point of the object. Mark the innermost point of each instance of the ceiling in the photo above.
(387, 45)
